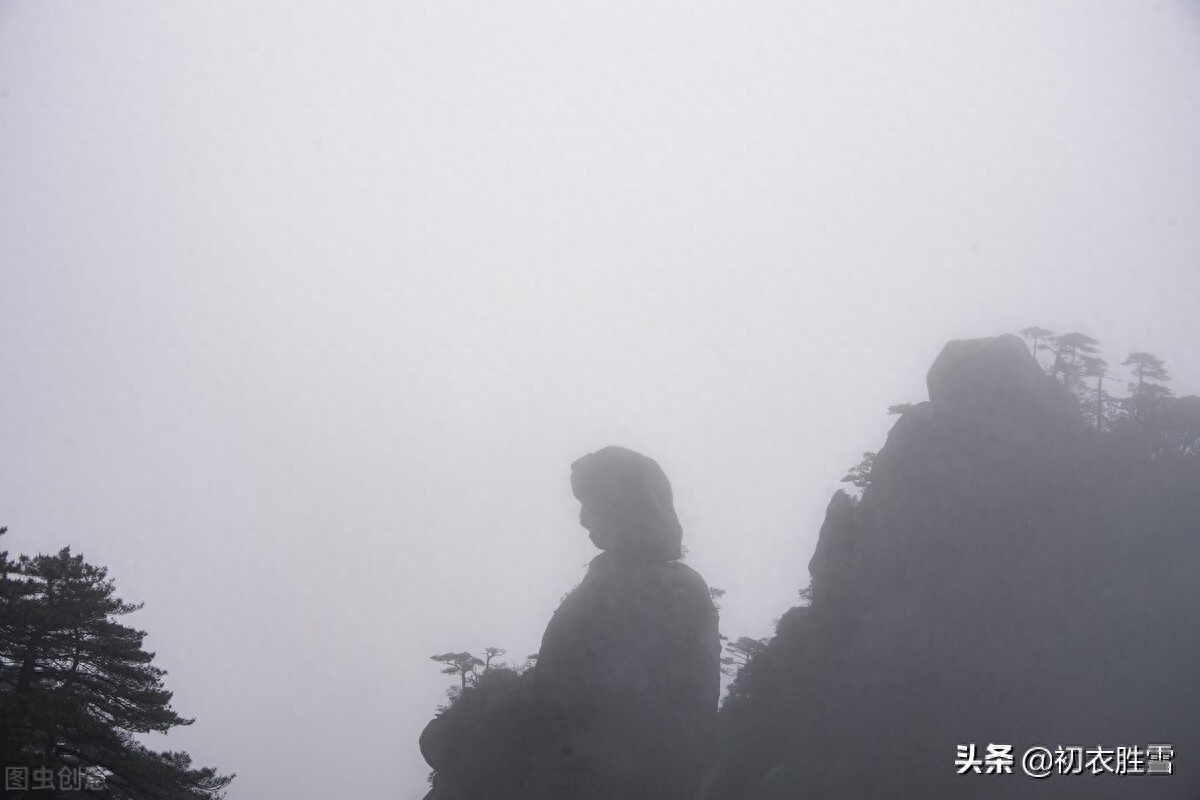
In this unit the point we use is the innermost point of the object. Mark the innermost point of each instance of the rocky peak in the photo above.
(622, 703)
(627, 505)
(998, 377)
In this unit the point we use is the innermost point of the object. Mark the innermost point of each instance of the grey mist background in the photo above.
(306, 308)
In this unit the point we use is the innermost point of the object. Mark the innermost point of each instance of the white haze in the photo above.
(306, 308)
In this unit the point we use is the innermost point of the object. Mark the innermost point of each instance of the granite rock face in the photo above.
(627, 505)
(622, 703)
(633, 653)
(1010, 576)
(997, 378)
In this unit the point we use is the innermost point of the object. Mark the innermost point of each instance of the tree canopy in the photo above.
(1036, 335)
(76, 686)
(1149, 410)
(1146, 368)
(738, 653)
(860, 474)
(1074, 358)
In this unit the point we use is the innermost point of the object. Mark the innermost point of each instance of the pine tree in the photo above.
(76, 686)
(860, 474)
(1150, 372)
(1148, 389)
(1036, 334)
(464, 665)
(1072, 352)
(1099, 405)
(739, 653)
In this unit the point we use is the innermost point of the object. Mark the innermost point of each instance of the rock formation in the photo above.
(997, 379)
(1009, 576)
(622, 702)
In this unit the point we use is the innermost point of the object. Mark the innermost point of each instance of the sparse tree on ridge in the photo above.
(491, 653)
(860, 474)
(1070, 351)
(1148, 403)
(464, 665)
(467, 666)
(1148, 388)
(739, 653)
(1036, 335)
(1149, 370)
(1100, 402)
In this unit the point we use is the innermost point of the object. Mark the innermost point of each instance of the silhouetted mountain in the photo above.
(1010, 576)
(622, 702)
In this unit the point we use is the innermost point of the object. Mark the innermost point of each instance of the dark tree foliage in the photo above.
(1073, 358)
(490, 654)
(1147, 368)
(76, 686)
(1146, 411)
(473, 671)
(1147, 390)
(464, 665)
(738, 653)
(860, 474)
(1097, 404)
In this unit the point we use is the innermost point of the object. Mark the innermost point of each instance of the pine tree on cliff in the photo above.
(464, 665)
(739, 653)
(860, 474)
(1035, 335)
(1150, 372)
(1071, 353)
(76, 686)
(1146, 367)
(1097, 409)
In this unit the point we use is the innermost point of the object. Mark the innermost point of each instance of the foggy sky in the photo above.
(305, 308)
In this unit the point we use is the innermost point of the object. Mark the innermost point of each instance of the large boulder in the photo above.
(998, 377)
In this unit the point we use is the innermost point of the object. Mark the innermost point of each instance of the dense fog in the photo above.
(307, 311)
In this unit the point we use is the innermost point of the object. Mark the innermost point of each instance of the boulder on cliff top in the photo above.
(998, 377)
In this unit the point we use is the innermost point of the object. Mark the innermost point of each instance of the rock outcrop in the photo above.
(997, 379)
(622, 702)
(626, 505)
(1009, 576)
(633, 651)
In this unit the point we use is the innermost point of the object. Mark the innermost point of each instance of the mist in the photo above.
(306, 312)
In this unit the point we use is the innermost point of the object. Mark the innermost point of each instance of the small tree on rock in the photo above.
(1099, 405)
(739, 653)
(1149, 370)
(1036, 335)
(1071, 351)
(464, 665)
(860, 474)
(1148, 387)
(490, 654)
